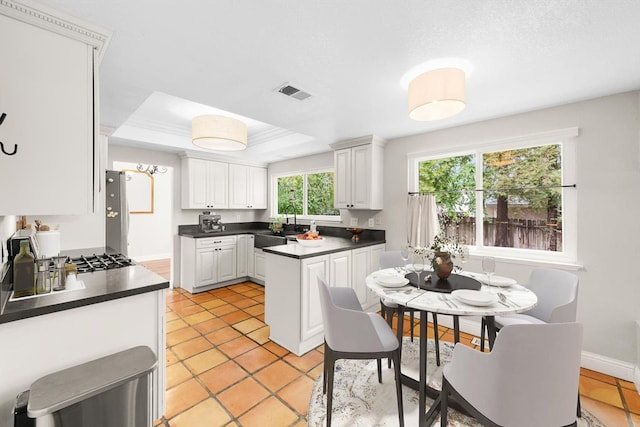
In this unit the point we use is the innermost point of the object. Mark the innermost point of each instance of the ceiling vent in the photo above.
(293, 92)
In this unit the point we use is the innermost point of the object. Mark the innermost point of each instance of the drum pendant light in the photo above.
(437, 94)
(219, 133)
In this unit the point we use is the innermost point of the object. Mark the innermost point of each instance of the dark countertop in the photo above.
(100, 286)
(230, 230)
(328, 246)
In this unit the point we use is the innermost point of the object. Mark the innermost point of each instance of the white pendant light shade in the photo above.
(219, 133)
(437, 94)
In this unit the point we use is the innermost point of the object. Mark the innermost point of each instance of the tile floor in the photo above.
(222, 369)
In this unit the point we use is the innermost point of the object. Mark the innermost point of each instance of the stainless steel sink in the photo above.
(266, 240)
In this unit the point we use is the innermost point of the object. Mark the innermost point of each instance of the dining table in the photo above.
(461, 294)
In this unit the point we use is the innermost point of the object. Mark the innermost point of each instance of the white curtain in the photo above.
(422, 220)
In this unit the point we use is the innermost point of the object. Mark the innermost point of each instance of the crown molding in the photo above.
(47, 18)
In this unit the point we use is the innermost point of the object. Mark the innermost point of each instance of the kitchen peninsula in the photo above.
(117, 309)
(292, 300)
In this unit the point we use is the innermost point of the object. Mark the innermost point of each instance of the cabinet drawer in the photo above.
(210, 242)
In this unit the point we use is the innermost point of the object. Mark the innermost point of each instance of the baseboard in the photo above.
(595, 362)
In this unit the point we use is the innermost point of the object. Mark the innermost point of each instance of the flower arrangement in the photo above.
(442, 254)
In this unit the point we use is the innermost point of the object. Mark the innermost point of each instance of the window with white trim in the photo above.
(308, 195)
(505, 200)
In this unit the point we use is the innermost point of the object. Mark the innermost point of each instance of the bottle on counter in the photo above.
(43, 282)
(24, 272)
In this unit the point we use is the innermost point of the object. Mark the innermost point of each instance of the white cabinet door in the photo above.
(218, 185)
(361, 176)
(342, 183)
(238, 183)
(257, 189)
(251, 260)
(361, 261)
(226, 260)
(311, 311)
(259, 264)
(241, 253)
(372, 298)
(206, 266)
(340, 269)
(47, 110)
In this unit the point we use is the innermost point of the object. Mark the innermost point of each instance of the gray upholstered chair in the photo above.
(530, 378)
(557, 293)
(350, 333)
(391, 259)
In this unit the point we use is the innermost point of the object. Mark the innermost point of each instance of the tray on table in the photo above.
(452, 283)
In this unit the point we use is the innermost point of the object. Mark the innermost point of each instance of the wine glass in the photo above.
(416, 264)
(404, 254)
(488, 267)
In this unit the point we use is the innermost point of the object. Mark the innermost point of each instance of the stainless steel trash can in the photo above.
(111, 391)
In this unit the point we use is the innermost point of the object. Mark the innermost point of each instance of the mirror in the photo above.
(139, 191)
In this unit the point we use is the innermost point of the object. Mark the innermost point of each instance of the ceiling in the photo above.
(168, 61)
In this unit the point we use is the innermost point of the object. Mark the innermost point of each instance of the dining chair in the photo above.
(392, 259)
(530, 378)
(350, 333)
(557, 293)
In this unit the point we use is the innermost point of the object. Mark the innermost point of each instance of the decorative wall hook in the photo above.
(15, 149)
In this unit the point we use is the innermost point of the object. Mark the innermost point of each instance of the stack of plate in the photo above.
(391, 280)
(476, 298)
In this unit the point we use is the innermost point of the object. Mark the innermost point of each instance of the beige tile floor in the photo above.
(222, 369)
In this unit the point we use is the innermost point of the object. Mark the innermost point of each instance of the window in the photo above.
(307, 194)
(506, 200)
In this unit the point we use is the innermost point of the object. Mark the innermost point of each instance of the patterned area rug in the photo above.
(359, 400)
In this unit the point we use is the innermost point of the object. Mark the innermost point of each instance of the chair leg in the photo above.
(579, 410)
(379, 370)
(383, 311)
(325, 368)
(411, 317)
(330, 393)
(436, 339)
(396, 364)
(483, 325)
(444, 403)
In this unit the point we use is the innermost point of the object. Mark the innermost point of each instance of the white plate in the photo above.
(391, 280)
(477, 298)
(500, 281)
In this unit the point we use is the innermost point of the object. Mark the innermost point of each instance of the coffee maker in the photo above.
(210, 223)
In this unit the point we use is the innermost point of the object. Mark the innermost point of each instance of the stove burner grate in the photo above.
(91, 263)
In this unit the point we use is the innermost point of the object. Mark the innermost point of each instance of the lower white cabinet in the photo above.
(251, 257)
(258, 264)
(292, 297)
(242, 253)
(207, 261)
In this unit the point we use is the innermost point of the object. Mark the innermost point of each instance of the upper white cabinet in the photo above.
(247, 187)
(214, 184)
(49, 120)
(204, 184)
(358, 173)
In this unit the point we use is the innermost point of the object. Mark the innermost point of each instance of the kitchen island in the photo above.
(292, 299)
(118, 309)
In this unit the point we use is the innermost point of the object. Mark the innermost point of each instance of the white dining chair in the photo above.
(557, 293)
(350, 333)
(529, 379)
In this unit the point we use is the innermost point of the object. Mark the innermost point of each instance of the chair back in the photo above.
(345, 329)
(529, 379)
(390, 259)
(557, 293)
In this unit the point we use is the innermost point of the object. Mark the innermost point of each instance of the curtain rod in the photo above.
(415, 193)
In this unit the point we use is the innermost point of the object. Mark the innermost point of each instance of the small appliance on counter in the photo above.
(210, 223)
(24, 234)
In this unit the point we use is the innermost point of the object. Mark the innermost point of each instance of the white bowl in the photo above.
(310, 243)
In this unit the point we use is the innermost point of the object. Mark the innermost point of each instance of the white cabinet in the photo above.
(247, 187)
(251, 260)
(204, 184)
(49, 103)
(361, 266)
(243, 259)
(311, 312)
(259, 267)
(358, 173)
(339, 269)
(207, 261)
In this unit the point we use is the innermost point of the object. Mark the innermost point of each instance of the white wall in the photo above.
(150, 233)
(608, 184)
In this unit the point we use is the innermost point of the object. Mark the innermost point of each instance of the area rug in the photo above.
(359, 400)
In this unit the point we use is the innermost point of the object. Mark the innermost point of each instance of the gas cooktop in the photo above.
(91, 263)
